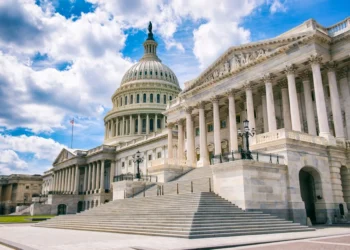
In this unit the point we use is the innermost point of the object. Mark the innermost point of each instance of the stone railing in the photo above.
(154, 135)
(339, 28)
(283, 134)
(162, 162)
(140, 105)
(100, 149)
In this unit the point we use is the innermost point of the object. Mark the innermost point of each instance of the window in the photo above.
(138, 98)
(150, 157)
(210, 127)
(130, 162)
(151, 97)
(161, 73)
(197, 131)
(151, 127)
(27, 187)
(123, 164)
(223, 124)
(145, 73)
(156, 73)
(158, 98)
(159, 155)
(144, 98)
(150, 72)
(136, 125)
(126, 100)
(143, 125)
(131, 99)
(164, 99)
(170, 98)
(140, 73)
(238, 119)
(159, 123)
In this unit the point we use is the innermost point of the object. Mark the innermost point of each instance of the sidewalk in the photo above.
(27, 237)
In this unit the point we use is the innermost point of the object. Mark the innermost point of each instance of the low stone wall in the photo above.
(71, 201)
(253, 186)
(41, 209)
(126, 189)
(167, 172)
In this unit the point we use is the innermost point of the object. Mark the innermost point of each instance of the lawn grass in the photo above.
(21, 218)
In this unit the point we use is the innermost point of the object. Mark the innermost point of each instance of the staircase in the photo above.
(193, 215)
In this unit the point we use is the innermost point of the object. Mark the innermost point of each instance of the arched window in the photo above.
(158, 98)
(164, 99)
(161, 73)
(170, 98)
(151, 97)
(144, 97)
(126, 100)
(138, 98)
(145, 73)
(159, 123)
(144, 125)
(151, 127)
(156, 73)
(150, 72)
(131, 99)
(136, 125)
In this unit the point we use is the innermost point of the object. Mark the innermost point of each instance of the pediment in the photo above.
(63, 156)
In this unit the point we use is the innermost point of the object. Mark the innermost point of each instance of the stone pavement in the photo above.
(26, 237)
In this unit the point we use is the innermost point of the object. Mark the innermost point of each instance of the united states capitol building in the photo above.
(265, 128)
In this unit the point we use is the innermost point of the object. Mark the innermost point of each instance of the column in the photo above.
(112, 128)
(285, 105)
(345, 93)
(232, 121)
(93, 179)
(189, 139)
(69, 178)
(123, 126)
(139, 125)
(112, 173)
(270, 103)
(64, 186)
(156, 123)
(97, 179)
(321, 110)
(250, 108)
(76, 181)
(335, 101)
(147, 124)
(163, 121)
(170, 140)
(89, 178)
(264, 108)
(309, 107)
(216, 123)
(180, 140)
(204, 156)
(116, 126)
(293, 97)
(132, 129)
(85, 178)
(106, 130)
(102, 181)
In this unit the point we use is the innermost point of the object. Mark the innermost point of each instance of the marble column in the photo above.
(309, 107)
(270, 103)
(112, 127)
(156, 123)
(102, 181)
(204, 156)
(76, 181)
(132, 127)
(64, 187)
(69, 170)
(105, 130)
(232, 121)
(139, 125)
(216, 123)
(180, 140)
(93, 178)
(285, 105)
(85, 178)
(170, 140)
(321, 110)
(250, 109)
(345, 93)
(97, 180)
(264, 109)
(89, 178)
(189, 135)
(123, 126)
(116, 126)
(111, 175)
(293, 97)
(147, 124)
(335, 101)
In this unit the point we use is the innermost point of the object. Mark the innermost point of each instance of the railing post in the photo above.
(278, 162)
(257, 156)
(162, 189)
(191, 186)
(144, 190)
(124, 193)
(209, 184)
(177, 188)
(270, 158)
(132, 192)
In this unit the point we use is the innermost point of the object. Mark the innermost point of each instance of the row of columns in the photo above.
(94, 177)
(126, 125)
(291, 111)
(66, 180)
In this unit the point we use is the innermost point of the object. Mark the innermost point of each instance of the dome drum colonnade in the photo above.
(291, 112)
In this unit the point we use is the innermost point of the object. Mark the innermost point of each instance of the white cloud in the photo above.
(10, 161)
(277, 6)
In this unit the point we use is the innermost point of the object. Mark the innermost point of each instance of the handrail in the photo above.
(131, 177)
(250, 155)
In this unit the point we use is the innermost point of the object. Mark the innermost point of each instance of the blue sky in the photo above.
(63, 59)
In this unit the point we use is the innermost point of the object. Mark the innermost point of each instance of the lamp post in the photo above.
(246, 134)
(138, 159)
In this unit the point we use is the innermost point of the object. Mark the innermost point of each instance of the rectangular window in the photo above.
(144, 98)
(159, 155)
(150, 157)
(238, 119)
(210, 127)
(159, 123)
(197, 131)
(131, 99)
(130, 162)
(138, 98)
(164, 99)
(136, 125)
(223, 124)
(144, 125)
(123, 164)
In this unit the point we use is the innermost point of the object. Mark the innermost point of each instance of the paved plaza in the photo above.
(27, 237)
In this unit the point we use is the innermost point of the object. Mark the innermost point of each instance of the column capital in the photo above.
(315, 59)
(283, 83)
(331, 66)
(215, 99)
(180, 121)
(247, 85)
(343, 72)
(268, 78)
(187, 109)
(231, 92)
(170, 125)
(200, 104)
(262, 90)
(290, 69)
(305, 75)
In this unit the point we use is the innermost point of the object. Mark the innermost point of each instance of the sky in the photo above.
(63, 59)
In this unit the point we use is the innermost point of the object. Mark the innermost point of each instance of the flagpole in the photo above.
(71, 142)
